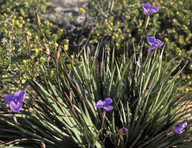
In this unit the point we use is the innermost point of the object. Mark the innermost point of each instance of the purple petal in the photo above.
(107, 101)
(15, 106)
(41, 143)
(146, 8)
(151, 47)
(178, 130)
(58, 48)
(147, 11)
(125, 130)
(108, 108)
(99, 104)
(154, 9)
(179, 127)
(9, 98)
(151, 40)
(158, 43)
(20, 95)
(184, 125)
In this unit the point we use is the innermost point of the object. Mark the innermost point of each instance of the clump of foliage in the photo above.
(17, 57)
(62, 110)
(100, 100)
(172, 24)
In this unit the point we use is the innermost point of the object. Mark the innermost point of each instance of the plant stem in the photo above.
(103, 119)
(83, 27)
(86, 42)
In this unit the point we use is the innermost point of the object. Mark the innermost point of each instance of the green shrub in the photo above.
(60, 108)
(60, 116)
(172, 24)
(16, 19)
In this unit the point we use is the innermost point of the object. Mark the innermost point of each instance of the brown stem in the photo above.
(2, 142)
(71, 104)
(146, 24)
(86, 42)
(112, 4)
(100, 45)
(46, 39)
(31, 57)
(83, 27)
(24, 139)
(103, 119)
(58, 80)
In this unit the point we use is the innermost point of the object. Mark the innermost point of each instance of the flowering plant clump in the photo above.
(171, 24)
(14, 100)
(63, 109)
(22, 47)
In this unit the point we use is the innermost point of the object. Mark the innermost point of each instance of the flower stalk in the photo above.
(39, 26)
(90, 34)
(27, 41)
(103, 119)
(42, 144)
(83, 27)
(57, 55)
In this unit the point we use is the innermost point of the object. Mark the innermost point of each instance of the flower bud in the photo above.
(108, 49)
(66, 47)
(57, 53)
(72, 57)
(123, 131)
(27, 38)
(37, 19)
(42, 144)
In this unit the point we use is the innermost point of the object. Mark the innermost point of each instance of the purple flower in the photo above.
(94, 25)
(179, 127)
(154, 42)
(148, 85)
(105, 104)
(149, 9)
(58, 48)
(15, 100)
(125, 130)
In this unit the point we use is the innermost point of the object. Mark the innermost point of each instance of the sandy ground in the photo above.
(65, 9)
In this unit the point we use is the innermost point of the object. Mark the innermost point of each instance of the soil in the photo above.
(65, 10)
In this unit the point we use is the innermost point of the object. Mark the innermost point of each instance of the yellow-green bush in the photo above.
(172, 25)
(17, 19)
